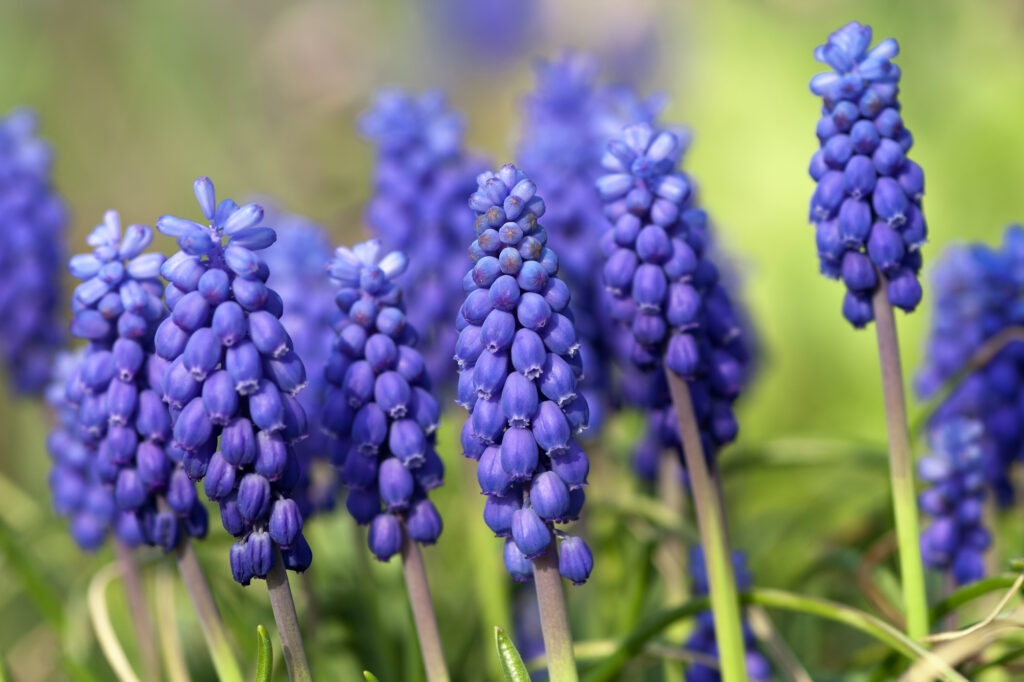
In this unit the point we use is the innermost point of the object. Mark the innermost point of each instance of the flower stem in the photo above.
(423, 610)
(707, 504)
(144, 632)
(900, 465)
(206, 611)
(287, 622)
(554, 617)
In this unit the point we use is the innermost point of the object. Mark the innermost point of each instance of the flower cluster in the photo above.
(379, 408)
(703, 638)
(32, 220)
(117, 308)
(298, 263)
(956, 539)
(519, 361)
(978, 291)
(666, 288)
(78, 493)
(867, 204)
(568, 119)
(231, 380)
(421, 181)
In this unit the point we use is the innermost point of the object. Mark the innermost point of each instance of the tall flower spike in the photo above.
(956, 539)
(702, 640)
(867, 205)
(379, 409)
(568, 118)
(32, 221)
(118, 308)
(977, 294)
(666, 288)
(231, 379)
(421, 179)
(79, 493)
(298, 263)
(519, 362)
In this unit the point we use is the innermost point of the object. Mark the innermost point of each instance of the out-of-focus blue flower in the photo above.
(117, 387)
(956, 538)
(32, 221)
(519, 362)
(78, 492)
(568, 119)
(703, 638)
(484, 31)
(298, 273)
(867, 205)
(978, 292)
(421, 179)
(666, 288)
(379, 410)
(231, 380)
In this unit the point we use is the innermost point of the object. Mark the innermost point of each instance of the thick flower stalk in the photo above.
(118, 308)
(956, 539)
(976, 290)
(867, 205)
(867, 212)
(78, 492)
(297, 262)
(379, 409)
(666, 289)
(32, 221)
(231, 380)
(702, 640)
(420, 183)
(568, 119)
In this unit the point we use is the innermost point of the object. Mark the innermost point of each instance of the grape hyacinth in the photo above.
(703, 638)
(978, 292)
(118, 308)
(867, 204)
(32, 220)
(956, 539)
(379, 409)
(231, 379)
(666, 288)
(421, 181)
(298, 262)
(568, 119)
(79, 494)
(519, 362)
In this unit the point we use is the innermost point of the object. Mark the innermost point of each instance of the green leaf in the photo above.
(511, 662)
(264, 655)
(370, 677)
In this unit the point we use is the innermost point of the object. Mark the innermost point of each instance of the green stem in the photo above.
(874, 627)
(423, 610)
(901, 465)
(711, 524)
(554, 617)
(206, 611)
(287, 622)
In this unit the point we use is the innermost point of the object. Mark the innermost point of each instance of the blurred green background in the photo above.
(140, 97)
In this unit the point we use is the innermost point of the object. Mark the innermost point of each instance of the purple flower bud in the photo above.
(181, 493)
(191, 312)
(363, 504)
(214, 285)
(285, 525)
(858, 272)
(904, 290)
(572, 467)
(519, 453)
(271, 456)
(229, 323)
(557, 381)
(253, 497)
(549, 496)
(528, 354)
(575, 561)
(407, 442)
(857, 309)
(392, 394)
(241, 570)
(516, 563)
(261, 553)
(889, 201)
(244, 366)
(423, 523)
(854, 222)
(498, 512)
(531, 535)
(193, 426)
(385, 537)
(219, 481)
(266, 408)
(395, 484)
(490, 473)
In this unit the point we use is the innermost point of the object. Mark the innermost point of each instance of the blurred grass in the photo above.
(138, 98)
